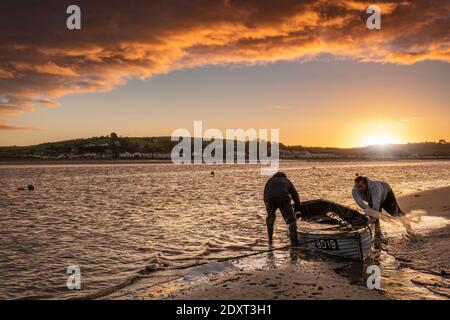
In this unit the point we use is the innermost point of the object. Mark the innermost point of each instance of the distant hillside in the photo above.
(113, 147)
(395, 151)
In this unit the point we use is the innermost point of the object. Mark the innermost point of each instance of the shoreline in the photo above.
(293, 274)
(4, 162)
(20, 162)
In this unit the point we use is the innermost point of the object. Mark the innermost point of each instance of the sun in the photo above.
(378, 138)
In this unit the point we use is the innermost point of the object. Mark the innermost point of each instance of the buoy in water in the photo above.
(212, 173)
(30, 187)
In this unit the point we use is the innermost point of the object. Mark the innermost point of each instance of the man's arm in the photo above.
(359, 200)
(376, 191)
(294, 195)
(265, 188)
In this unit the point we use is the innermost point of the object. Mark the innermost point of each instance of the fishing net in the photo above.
(325, 211)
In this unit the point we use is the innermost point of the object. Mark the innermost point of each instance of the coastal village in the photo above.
(113, 147)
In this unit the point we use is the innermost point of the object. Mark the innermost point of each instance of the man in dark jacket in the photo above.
(277, 195)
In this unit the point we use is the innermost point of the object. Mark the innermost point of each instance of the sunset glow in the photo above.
(224, 153)
(311, 69)
(378, 138)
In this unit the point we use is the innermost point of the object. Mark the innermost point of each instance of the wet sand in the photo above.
(420, 244)
(303, 280)
(426, 245)
(317, 280)
(293, 275)
(306, 278)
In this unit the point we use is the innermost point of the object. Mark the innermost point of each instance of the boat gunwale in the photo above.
(349, 233)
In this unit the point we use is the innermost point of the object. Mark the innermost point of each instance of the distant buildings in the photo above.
(306, 154)
(160, 148)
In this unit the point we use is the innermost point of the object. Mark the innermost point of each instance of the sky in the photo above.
(311, 69)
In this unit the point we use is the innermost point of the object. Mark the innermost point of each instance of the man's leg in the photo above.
(391, 205)
(289, 217)
(271, 207)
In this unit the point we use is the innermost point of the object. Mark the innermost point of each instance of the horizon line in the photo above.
(280, 142)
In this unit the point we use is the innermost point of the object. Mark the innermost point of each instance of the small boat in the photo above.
(336, 230)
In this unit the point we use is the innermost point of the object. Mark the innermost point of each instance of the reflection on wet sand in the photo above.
(412, 255)
(413, 252)
(120, 223)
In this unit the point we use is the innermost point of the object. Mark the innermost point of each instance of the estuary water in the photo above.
(114, 221)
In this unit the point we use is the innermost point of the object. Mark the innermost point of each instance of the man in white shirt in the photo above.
(377, 194)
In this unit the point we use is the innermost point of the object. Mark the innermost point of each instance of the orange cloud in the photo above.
(42, 60)
(5, 126)
(6, 74)
(49, 103)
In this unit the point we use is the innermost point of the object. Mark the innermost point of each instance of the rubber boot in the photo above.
(293, 234)
(270, 232)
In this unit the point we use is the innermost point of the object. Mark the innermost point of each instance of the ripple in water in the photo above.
(114, 221)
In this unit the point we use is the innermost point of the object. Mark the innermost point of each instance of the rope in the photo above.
(141, 275)
(234, 257)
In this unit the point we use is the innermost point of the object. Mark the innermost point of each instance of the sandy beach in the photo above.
(315, 277)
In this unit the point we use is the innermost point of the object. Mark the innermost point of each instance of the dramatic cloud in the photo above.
(4, 126)
(41, 60)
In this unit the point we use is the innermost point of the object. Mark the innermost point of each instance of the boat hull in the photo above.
(355, 245)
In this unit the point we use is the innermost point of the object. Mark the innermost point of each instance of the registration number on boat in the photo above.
(327, 244)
